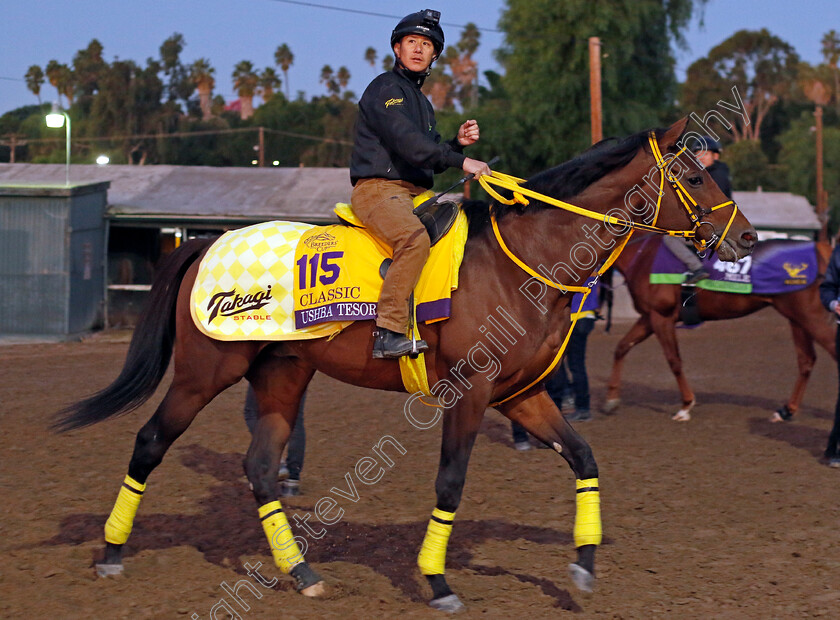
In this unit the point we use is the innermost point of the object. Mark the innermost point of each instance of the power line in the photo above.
(371, 13)
(187, 134)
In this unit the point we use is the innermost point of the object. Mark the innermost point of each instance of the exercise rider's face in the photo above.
(415, 51)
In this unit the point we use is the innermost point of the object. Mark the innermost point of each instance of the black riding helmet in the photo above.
(425, 22)
(706, 143)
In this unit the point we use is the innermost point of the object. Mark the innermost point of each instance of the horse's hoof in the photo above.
(611, 406)
(681, 416)
(316, 591)
(109, 570)
(450, 603)
(582, 578)
(307, 581)
(782, 414)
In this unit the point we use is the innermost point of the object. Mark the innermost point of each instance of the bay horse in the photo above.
(659, 307)
(497, 277)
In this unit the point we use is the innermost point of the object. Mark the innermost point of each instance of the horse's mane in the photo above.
(566, 180)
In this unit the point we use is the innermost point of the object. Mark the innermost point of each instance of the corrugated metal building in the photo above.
(52, 256)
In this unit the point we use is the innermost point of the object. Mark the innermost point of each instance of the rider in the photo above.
(396, 151)
(707, 152)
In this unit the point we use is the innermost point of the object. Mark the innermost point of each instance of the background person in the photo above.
(396, 152)
(830, 297)
(575, 358)
(707, 152)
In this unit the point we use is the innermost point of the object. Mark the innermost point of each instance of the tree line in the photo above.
(534, 113)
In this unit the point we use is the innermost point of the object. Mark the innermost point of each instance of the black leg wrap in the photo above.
(113, 554)
(439, 586)
(304, 576)
(784, 413)
(586, 557)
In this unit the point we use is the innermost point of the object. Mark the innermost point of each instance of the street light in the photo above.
(55, 119)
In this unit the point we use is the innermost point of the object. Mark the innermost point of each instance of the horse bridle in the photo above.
(695, 212)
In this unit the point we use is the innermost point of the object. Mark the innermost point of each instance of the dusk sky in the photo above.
(37, 31)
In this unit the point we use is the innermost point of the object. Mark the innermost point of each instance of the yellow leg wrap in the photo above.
(118, 526)
(432, 558)
(588, 517)
(285, 550)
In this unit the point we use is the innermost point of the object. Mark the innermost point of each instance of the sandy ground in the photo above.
(727, 516)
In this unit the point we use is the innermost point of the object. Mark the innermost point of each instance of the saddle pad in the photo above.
(776, 266)
(291, 281)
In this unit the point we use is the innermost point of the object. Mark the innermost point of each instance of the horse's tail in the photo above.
(149, 352)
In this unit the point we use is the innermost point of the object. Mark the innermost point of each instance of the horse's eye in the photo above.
(695, 181)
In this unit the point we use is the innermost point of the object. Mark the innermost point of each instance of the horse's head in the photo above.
(689, 199)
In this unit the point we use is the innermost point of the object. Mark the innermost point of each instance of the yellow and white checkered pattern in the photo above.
(248, 259)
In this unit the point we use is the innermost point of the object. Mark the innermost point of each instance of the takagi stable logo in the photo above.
(230, 303)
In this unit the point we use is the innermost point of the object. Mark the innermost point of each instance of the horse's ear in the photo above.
(673, 134)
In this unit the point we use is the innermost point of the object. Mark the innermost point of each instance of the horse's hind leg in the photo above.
(539, 415)
(279, 384)
(192, 388)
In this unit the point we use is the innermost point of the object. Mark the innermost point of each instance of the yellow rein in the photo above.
(513, 184)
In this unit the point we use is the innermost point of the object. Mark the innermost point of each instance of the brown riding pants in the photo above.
(385, 207)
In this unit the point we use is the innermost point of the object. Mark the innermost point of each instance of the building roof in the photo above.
(191, 192)
(778, 211)
(175, 193)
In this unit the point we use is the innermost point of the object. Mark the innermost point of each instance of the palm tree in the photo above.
(831, 53)
(267, 84)
(343, 77)
(202, 74)
(53, 72)
(370, 57)
(328, 79)
(388, 62)
(245, 82)
(284, 58)
(67, 83)
(34, 78)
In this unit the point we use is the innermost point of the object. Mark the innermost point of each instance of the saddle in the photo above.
(437, 216)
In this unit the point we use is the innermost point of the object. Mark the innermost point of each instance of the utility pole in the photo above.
(822, 197)
(262, 147)
(12, 143)
(595, 88)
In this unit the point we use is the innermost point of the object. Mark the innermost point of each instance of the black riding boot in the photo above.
(391, 345)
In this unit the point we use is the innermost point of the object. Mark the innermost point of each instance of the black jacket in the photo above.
(830, 286)
(395, 133)
(720, 174)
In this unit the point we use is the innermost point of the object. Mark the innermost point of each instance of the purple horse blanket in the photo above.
(775, 266)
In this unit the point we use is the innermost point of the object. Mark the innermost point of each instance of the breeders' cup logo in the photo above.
(230, 303)
(321, 241)
(795, 271)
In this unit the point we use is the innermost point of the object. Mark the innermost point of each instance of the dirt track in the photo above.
(727, 516)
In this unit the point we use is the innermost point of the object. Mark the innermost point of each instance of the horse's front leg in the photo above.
(460, 427)
(539, 415)
(665, 329)
(639, 332)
